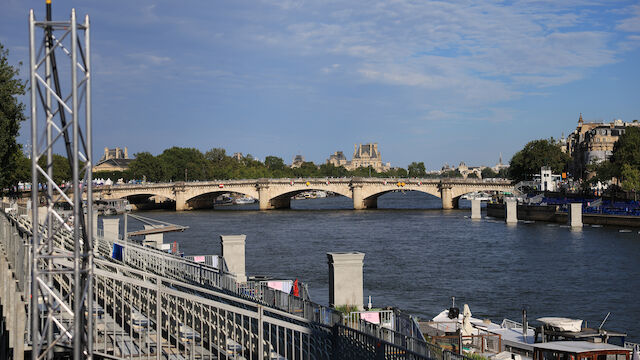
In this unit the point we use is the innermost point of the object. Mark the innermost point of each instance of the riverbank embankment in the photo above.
(550, 213)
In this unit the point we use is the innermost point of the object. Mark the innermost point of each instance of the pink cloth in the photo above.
(372, 317)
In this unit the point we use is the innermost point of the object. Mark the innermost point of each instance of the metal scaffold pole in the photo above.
(61, 306)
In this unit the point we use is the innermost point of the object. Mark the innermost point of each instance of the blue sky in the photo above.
(433, 81)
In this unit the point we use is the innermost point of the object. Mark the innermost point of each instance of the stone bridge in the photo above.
(277, 193)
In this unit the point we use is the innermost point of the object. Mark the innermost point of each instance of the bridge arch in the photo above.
(367, 197)
(279, 196)
(205, 200)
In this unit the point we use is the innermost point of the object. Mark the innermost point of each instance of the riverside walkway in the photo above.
(148, 304)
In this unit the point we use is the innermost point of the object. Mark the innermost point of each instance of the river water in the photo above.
(418, 256)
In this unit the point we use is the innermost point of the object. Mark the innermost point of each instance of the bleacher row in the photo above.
(290, 325)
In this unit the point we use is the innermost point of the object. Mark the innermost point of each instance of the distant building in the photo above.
(337, 159)
(115, 159)
(499, 166)
(298, 160)
(364, 155)
(592, 143)
(238, 156)
(465, 170)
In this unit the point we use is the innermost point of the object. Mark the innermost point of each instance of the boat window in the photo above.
(585, 358)
(602, 357)
(621, 357)
(611, 356)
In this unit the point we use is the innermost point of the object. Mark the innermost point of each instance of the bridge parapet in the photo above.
(277, 193)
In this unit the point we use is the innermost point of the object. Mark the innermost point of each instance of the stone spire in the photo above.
(580, 121)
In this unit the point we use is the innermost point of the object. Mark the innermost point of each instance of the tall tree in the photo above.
(180, 164)
(11, 115)
(146, 166)
(417, 169)
(630, 177)
(626, 151)
(536, 154)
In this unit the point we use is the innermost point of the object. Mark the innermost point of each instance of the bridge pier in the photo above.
(359, 202)
(181, 201)
(268, 203)
(448, 201)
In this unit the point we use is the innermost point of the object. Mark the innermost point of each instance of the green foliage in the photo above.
(22, 171)
(536, 154)
(183, 164)
(450, 174)
(215, 164)
(346, 309)
(146, 166)
(488, 173)
(11, 115)
(475, 356)
(61, 169)
(626, 151)
(417, 169)
(630, 176)
(396, 172)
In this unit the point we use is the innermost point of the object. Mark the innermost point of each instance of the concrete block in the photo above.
(345, 279)
(233, 254)
(575, 215)
(511, 207)
(475, 209)
(42, 214)
(94, 223)
(154, 240)
(111, 228)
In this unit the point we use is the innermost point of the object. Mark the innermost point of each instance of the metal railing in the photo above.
(153, 305)
(354, 344)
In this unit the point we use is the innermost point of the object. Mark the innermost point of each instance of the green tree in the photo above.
(630, 177)
(274, 163)
(11, 115)
(61, 169)
(536, 154)
(396, 172)
(180, 164)
(488, 173)
(22, 172)
(417, 169)
(330, 170)
(307, 169)
(626, 151)
(146, 166)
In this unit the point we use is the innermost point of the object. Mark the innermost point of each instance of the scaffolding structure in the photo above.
(61, 289)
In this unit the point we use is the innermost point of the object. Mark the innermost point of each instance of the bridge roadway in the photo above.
(277, 193)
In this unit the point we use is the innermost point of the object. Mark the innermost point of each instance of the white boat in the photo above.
(478, 195)
(521, 342)
(244, 200)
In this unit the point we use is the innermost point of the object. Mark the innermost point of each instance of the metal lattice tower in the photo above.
(61, 279)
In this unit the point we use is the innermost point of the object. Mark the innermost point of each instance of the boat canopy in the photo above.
(562, 324)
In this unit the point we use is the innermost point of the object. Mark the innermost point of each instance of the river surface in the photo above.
(418, 256)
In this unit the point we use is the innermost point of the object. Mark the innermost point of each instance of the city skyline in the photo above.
(432, 82)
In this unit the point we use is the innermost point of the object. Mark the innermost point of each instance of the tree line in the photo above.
(190, 164)
(623, 165)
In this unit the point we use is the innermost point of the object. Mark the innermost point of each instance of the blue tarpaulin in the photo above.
(117, 252)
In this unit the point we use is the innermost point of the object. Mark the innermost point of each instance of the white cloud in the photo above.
(472, 46)
(631, 24)
(150, 59)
